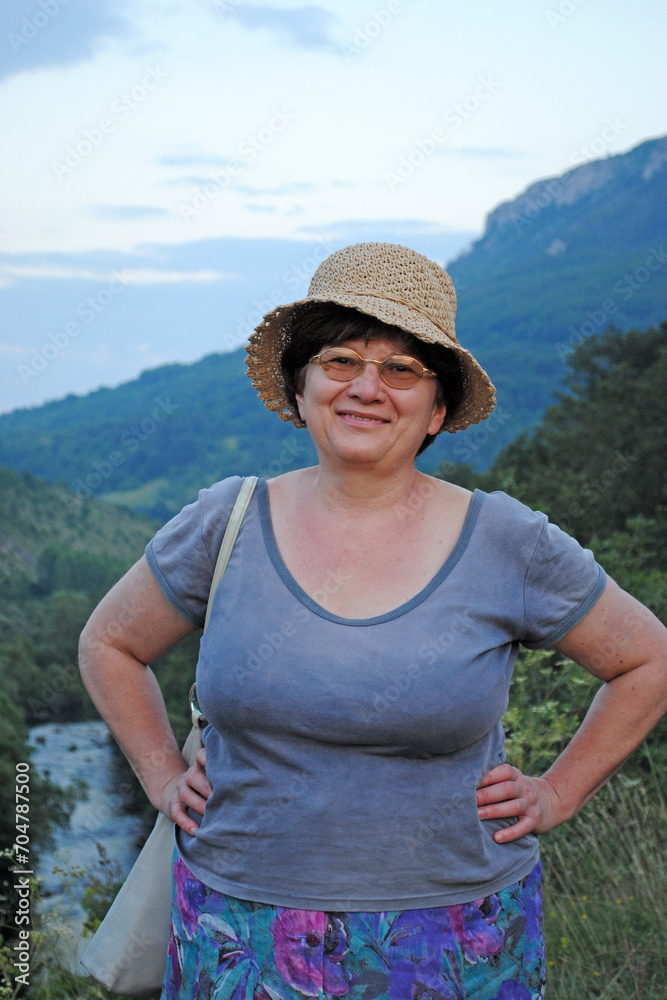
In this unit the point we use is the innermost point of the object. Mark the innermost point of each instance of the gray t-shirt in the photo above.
(344, 754)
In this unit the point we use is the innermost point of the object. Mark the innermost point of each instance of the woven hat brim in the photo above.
(271, 336)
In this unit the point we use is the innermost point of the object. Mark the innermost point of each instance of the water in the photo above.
(66, 752)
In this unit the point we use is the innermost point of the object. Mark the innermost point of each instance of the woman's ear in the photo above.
(439, 414)
(301, 383)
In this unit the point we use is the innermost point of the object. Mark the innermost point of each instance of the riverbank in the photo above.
(80, 754)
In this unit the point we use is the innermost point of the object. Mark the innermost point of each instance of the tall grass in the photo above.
(605, 872)
(605, 896)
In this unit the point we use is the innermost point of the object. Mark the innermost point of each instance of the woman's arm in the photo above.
(623, 643)
(132, 626)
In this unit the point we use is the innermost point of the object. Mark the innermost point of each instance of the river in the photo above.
(68, 752)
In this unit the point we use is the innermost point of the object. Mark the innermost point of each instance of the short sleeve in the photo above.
(562, 583)
(183, 553)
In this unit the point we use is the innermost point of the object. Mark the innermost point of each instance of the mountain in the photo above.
(152, 443)
(566, 259)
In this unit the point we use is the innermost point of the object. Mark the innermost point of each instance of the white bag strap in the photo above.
(226, 548)
(229, 538)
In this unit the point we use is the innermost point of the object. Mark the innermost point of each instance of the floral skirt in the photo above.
(222, 948)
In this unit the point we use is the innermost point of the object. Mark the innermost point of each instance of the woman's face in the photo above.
(366, 420)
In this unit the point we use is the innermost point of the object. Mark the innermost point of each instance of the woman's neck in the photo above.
(359, 490)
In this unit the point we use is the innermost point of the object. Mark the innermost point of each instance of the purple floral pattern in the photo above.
(304, 954)
(222, 948)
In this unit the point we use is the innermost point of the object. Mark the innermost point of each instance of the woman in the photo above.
(361, 832)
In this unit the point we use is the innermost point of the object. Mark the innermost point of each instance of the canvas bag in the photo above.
(128, 952)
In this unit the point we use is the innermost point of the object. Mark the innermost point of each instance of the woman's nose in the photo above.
(367, 384)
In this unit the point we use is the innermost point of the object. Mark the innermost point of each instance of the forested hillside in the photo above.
(558, 265)
(596, 463)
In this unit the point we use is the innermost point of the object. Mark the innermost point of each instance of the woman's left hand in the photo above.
(505, 792)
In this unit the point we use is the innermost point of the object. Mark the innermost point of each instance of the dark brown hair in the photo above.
(323, 324)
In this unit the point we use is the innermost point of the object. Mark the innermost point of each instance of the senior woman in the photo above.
(355, 830)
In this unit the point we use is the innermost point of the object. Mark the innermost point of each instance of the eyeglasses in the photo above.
(399, 371)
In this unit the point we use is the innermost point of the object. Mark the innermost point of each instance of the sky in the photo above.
(172, 170)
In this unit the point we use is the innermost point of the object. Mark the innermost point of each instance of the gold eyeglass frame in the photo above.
(425, 372)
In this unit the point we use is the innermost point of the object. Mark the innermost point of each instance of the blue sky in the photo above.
(212, 153)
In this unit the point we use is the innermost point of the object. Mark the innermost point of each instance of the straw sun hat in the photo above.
(395, 285)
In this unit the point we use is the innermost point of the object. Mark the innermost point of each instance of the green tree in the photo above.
(598, 458)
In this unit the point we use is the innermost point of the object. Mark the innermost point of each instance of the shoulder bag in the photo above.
(128, 952)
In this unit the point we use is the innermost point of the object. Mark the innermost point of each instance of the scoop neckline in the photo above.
(279, 565)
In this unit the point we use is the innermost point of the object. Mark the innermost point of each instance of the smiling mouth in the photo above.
(359, 418)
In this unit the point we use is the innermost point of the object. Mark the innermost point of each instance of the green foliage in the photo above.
(632, 558)
(548, 699)
(100, 884)
(461, 473)
(53, 949)
(598, 456)
(62, 568)
(38, 648)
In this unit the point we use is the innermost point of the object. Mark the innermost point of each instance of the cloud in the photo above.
(480, 151)
(266, 209)
(305, 27)
(129, 275)
(148, 276)
(122, 213)
(290, 187)
(434, 239)
(213, 163)
(192, 160)
(370, 228)
(36, 34)
(186, 180)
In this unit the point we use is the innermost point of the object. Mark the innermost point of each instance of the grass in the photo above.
(605, 897)
(143, 496)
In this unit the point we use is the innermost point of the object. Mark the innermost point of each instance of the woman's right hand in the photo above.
(187, 790)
